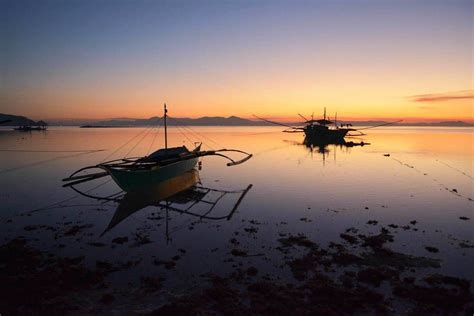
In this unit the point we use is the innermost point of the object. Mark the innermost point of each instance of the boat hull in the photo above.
(316, 135)
(135, 201)
(136, 180)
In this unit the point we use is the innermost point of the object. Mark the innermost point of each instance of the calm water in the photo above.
(318, 192)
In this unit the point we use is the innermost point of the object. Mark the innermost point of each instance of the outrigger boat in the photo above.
(41, 126)
(138, 173)
(30, 128)
(321, 131)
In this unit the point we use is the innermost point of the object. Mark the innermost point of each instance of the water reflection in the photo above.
(184, 194)
(322, 146)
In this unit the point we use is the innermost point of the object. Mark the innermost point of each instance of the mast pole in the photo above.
(166, 130)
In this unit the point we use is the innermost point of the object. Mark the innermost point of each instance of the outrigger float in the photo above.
(138, 173)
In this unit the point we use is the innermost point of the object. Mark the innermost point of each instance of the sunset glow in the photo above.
(362, 59)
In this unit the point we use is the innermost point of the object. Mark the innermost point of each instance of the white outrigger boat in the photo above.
(137, 173)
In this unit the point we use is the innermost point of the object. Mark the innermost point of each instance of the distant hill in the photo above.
(445, 123)
(15, 120)
(202, 121)
(238, 121)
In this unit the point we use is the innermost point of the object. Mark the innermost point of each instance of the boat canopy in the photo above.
(160, 154)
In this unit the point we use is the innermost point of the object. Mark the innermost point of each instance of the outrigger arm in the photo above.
(137, 163)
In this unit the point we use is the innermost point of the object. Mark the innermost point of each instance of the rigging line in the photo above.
(44, 161)
(203, 136)
(50, 151)
(380, 125)
(184, 134)
(200, 137)
(123, 145)
(141, 139)
(153, 141)
(180, 127)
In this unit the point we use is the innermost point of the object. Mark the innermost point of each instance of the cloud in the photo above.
(427, 107)
(441, 97)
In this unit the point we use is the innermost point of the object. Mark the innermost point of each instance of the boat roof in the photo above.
(167, 152)
(324, 122)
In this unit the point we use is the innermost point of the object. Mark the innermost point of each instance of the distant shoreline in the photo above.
(12, 120)
(105, 126)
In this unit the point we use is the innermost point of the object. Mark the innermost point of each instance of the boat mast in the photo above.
(166, 131)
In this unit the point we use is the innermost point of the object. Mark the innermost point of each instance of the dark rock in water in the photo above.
(252, 271)
(150, 284)
(238, 252)
(372, 222)
(96, 244)
(234, 241)
(35, 283)
(377, 241)
(387, 155)
(454, 190)
(251, 230)
(299, 240)
(120, 240)
(464, 218)
(349, 238)
(465, 244)
(76, 229)
(432, 249)
(375, 276)
(142, 239)
(413, 222)
(438, 279)
(397, 260)
(439, 297)
(345, 259)
(168, 264)
(393, 226)
(107, 298)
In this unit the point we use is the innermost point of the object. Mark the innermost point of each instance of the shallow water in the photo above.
(319, 192)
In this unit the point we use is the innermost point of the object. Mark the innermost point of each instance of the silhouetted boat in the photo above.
(30, 128)
(323, 130)
(132, 174)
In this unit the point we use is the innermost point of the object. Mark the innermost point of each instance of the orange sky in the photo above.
(98, 60)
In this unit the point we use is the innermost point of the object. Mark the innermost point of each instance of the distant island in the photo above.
(15, 120)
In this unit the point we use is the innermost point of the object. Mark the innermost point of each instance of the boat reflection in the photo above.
(322, 146)
(183, 194)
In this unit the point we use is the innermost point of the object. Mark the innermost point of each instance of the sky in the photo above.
(362, 59)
